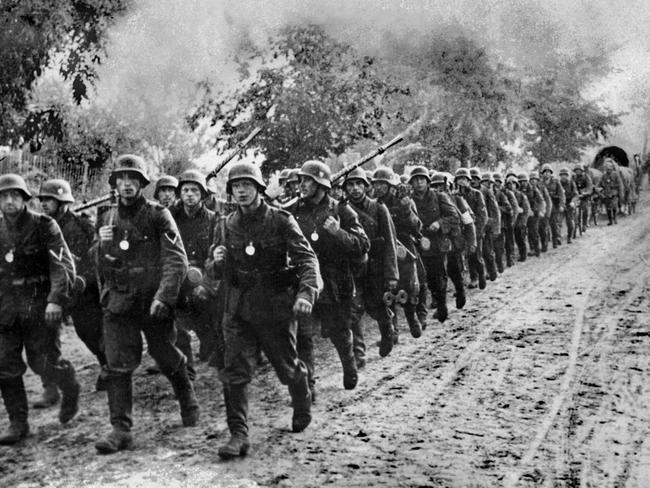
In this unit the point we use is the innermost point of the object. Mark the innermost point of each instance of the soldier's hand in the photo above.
(561, 208)
(391, 285)
(520, 210)
(331, 225)
(159, 310)
(53, 314)
(472, 249)
(106, 233)
(435, 226)
(219, 254)
(302, 307)
(200, 293)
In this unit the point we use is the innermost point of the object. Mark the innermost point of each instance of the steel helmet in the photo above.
(369, 176)
(165, 181)
(244, 171)
(58, 189)
(384, 174)
(475, 172)
(498, 177)
(293, 176)
(318, 171)
(578, 167)
(193, 176)
(487, 177)
(534, 175)
(284, 175)
(129, 163)
(449, 178)
(462, 173)
(438, 178)
(546, 167)
(522, 177)
(511, 173)
(564, 171)
(512, 179)
(12, 181)
(419, 171)
(357, 174)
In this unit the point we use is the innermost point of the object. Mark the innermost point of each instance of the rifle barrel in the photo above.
(368, 157)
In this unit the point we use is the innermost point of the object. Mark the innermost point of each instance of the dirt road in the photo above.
(542, 380)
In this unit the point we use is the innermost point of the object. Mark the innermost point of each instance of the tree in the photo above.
(322, 97)
(35, 34)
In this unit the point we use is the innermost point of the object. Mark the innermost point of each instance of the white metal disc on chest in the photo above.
(250, 249)
(314, 236)
(9, 257)
(124, 245)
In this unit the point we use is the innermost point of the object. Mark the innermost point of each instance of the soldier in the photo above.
(36, 276)
(558, 201)
(165, 192)
(251, 250)
(505, 243)
(493, 226)
(439, 218)
(380, 274)
(141, 265)
(538, 210)
(408, 230)
(610, 185)
(476, 202)
(571, 200)
(79, 234)
(585, 191)
(338, 240)
(524, 212)
(463, 241)
(197, 304)
(292, 187)
(543, 224)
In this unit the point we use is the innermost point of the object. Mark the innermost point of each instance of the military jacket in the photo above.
(514, 206)
(433, 207)
(494, 214)
(467, 237)
(146, 259)
(408, 225)
(584, 184)
(570, 191)
(536, 200)
(555, 191)
(610, 183)
(548, 203)
(524, 204)
(197, 232)
(36, 266)
(79, 234)
(476, 202)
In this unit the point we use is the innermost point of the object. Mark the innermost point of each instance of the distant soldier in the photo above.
(476, 202)
(36, 276)
(610, 185)
(439, 218)
(537, 211)
(524, 212)
(408, 229)
(571, 199)
(141, 266)
(271, 276)
(166, 190)
(493, 224)
(585, 192)
(55, 197)
(505, 243)
(558, 200)
(197, 304)
(502, 211)
(380, 274)
(543, 230)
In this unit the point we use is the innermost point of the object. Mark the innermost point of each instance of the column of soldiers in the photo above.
(252, 274)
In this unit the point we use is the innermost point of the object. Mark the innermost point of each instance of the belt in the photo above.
(30, 281)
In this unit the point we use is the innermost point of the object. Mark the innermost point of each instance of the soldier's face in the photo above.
(475, 182)
(547, 174)
(439, 187)
(12, 202)
(462, 182)
(564, 178)
(381, 188)
(419, 184)
(128, 186)
(49, 205)
(190, 194)
(355, 189)
(245, 192)
(166, 196)
(307, 187)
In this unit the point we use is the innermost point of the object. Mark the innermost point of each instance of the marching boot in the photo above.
(412, 320)
(70, 388)
(184, 391)
(102, 380)
(349, 362)
(15, 399)
(460, 297)
(395, 327)
(386, 331)
(301, 399)
(120, 401)
(236, 399)
(49, 397)
(184, 344)
(441, 312)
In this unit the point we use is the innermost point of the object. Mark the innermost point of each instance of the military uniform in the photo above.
(464, 242)
(476, 264)
(610, 183)
(572, 201)
(506, 242)
(521, 220)
(585, 191)
(543, 225)
(558, 201)
(36, 268)
(538, 210)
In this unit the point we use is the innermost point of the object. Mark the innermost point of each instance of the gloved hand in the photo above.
(159, 310)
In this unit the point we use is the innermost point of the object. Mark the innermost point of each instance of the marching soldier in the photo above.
(538, 210)
(380, 274)
(439, 218)
(543, 224)
(165, 191)
(585, 191)
(251, 252)
(523, 213)
(571, 199)
(197, 304)
(408, 230)
(36, 276)
(338, 239)
(55, 197)
(610, 185)
(505, 243)
(493, 226)
(141, 265)
(476, 202)
(558, 201)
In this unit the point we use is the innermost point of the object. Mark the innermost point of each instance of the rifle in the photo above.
(381, 149)
(95, 201)
(240, 145)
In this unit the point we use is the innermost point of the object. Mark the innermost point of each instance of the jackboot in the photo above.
(441, 313)
(184, 391)
(70, 389)
(386, 331)
(301, 400)
(120, 403)
(236, 399)
(349, 362)
(184, 344)
(460, 298)
(412, 320)
(49, 397)
(15, 399)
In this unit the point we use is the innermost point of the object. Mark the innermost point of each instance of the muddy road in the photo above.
(542, 380)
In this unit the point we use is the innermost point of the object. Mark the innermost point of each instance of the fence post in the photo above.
(84, 181)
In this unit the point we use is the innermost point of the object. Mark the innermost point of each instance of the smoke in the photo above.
(162, 48)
